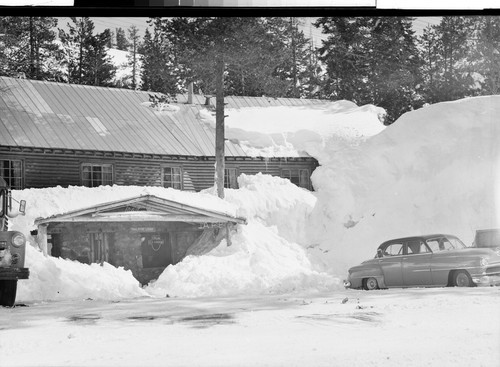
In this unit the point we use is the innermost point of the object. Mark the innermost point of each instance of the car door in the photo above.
(390, 263)
(416, 264)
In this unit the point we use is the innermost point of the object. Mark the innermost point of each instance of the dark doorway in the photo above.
(156, 250)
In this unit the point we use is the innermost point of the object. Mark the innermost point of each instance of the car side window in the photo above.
(439, 244)
(416, 247)
(394, 249)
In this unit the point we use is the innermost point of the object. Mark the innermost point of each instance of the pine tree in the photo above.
(372, 60)
(133, 56)
(446, 48)
(485, 54)
(28, 47)
(158, 71)
(344, 57)
(122, 42)
(86, 56)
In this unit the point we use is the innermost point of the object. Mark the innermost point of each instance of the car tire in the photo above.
(8, 289)
(461, 278)
(370, 284)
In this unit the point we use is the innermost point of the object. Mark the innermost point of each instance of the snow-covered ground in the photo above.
(277, 290)
(410, 327)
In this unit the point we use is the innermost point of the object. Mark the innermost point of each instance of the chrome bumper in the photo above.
(486, 280)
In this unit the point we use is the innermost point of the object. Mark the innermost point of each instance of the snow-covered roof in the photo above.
(41, 114)
(142, 208)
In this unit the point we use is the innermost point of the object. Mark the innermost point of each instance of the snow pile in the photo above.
(435, 170)
(266, 256)
(290, 131)
(59, 279)
(259, 261)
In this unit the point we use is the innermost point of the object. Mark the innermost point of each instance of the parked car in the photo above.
(436, 260)
(487, 238)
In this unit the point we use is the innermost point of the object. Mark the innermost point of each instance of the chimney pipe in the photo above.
(190, 93)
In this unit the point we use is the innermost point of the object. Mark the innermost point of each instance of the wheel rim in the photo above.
(462, 280)
(371, 283)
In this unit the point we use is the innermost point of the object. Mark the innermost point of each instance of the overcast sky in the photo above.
(101, 23)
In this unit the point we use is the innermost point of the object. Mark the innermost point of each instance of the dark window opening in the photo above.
(230, 178)
(12, 172)
(94, 175)
(172, 177)
(299, 177)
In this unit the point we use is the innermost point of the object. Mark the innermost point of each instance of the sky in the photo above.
(101, 23)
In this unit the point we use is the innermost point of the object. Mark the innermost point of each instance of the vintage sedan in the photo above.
(436, 260)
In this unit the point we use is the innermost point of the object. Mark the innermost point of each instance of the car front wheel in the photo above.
(370, 284)
(462, 279)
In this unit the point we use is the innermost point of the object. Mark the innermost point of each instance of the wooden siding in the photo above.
(48, 167)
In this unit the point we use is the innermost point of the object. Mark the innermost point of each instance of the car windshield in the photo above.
(442, 243)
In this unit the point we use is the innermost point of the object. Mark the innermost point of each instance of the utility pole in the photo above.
(219, 125)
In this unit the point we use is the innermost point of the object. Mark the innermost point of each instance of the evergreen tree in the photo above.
(122, 42)
(100, 69)
(28, 47)
(446, 48)
(299, 66)
(372, 60)
(158, 72)
(133, 56)
(86, 56)
(485, 55)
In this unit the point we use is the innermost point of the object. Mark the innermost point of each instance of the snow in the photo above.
(277, 289)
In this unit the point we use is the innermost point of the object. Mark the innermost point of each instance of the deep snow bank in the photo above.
(290, 131)
(266, 256)
(434, 170)
(59, 279)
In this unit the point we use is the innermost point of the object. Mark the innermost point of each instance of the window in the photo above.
(94, 175)
(444, 244)
(299, 177)
(230, 181)
(172, 177)
(394, 249)
(12, 172)
(416, 247)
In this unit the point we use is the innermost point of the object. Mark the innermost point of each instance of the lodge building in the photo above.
(56, 134)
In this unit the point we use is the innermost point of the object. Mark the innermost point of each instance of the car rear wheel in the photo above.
(370, 284)
(462, 279)
(8, 289)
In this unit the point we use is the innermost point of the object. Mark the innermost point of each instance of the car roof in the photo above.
(420, 237)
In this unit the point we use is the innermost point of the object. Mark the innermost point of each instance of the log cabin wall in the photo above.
(144, 248)
(54, 167)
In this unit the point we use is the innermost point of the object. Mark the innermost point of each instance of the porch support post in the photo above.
(228, 233)
(42, 238)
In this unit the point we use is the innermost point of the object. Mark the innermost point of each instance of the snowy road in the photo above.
(412, 327)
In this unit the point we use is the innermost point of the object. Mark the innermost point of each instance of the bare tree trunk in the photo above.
(219, 127)
(32, 49)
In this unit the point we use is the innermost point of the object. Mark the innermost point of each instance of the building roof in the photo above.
(143, 208)
(40, 114)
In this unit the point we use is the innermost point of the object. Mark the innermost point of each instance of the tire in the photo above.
(8, 289)
(370, 284)
(461, 279)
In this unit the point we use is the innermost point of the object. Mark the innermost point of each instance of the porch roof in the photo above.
(143, 208)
